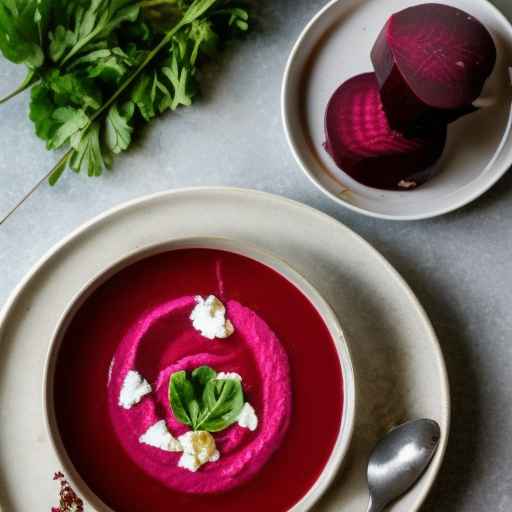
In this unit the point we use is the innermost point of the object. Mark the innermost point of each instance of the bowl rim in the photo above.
(243, 248)
(286, 85)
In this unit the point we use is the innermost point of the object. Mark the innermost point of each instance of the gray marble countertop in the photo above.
(460, 265)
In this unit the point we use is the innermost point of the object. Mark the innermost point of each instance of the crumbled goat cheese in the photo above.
(247, 417)
(228, 375)
(134, 388)
(198, 449)
(209, 318)
(159, 437)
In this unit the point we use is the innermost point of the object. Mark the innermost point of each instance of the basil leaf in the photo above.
(182, 398)
(200, 377)
(186, 396)
(203, 402)
(223, 400)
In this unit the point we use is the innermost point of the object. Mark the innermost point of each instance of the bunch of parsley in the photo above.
(97, 69)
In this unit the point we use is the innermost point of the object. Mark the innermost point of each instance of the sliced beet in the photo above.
(431, 62)
(361, 142)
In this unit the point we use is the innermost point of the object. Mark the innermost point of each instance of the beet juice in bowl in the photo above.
(201, 373)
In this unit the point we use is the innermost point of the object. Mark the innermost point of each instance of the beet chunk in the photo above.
(361, 142)
(431, 62)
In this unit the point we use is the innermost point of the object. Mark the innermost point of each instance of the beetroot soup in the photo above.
(198, 379)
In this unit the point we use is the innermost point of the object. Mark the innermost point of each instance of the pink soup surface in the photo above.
(139, 319)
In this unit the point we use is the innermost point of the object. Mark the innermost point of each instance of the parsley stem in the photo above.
(154, 3)
(26, 196)
(30, 79)
(150, 56)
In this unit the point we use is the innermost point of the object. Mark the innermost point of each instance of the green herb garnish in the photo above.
(204, 402)
(99, 69)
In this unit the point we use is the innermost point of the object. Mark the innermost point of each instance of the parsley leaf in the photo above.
(96, 22)
(60, 103)
(42, 107)
(60, 40)
(87, 151)
(205, 39)
(21, 25)
(69, 121)
(70, 88)
(110, 65)
(179, 76)
(118, 132)
(238, 18)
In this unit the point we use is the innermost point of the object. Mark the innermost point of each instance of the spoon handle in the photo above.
(373, 506)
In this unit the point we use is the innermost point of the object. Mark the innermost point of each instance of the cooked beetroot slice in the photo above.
(361, 142)
(431, 62)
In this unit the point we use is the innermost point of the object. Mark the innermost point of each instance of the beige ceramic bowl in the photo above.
(341, 446)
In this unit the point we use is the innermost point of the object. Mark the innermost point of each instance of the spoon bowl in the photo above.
(399, 460)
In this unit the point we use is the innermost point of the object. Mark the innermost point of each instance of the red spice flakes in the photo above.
(69, 501)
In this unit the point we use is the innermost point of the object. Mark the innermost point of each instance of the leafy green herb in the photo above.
(118, 132)
(69, 121)
(183, 399)
(21, 25)
(87, 150)
(100, 68)
(91, 24)
(110, 65)
(223, 400)
(201, 376)
(204, 402)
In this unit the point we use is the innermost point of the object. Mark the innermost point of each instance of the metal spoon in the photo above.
(399, 460)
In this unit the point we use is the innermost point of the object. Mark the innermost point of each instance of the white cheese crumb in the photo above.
(159, 437)
(228, 375)
(198, 449)
(407, 184)
(247, 417)
(209, 318)
(134, 388)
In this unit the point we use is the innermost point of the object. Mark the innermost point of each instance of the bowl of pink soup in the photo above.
(202, 373)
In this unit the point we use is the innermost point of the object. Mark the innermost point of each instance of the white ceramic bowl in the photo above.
(334, 47)
(348, 414)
